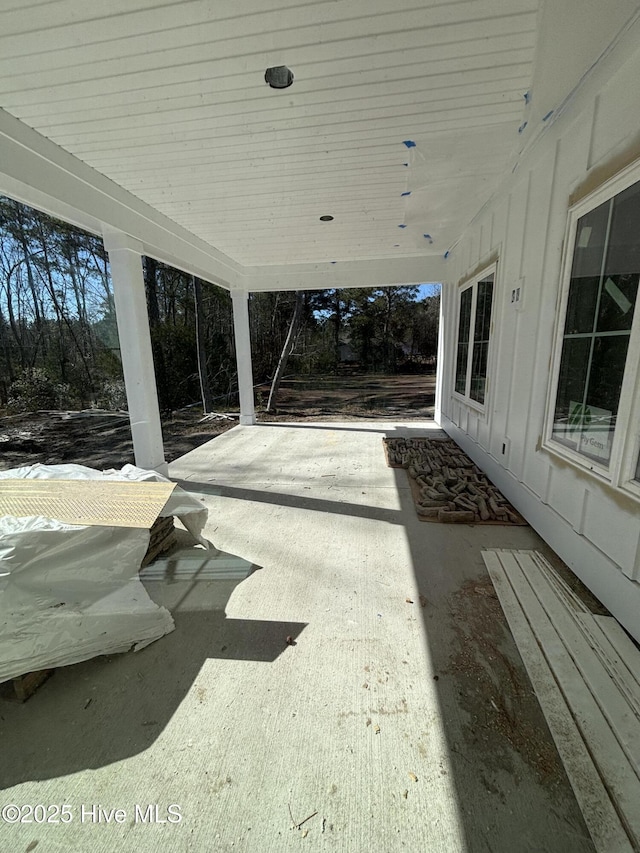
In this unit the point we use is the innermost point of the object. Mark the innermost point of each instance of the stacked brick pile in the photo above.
(446, 484)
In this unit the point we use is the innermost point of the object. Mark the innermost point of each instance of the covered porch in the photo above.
(336, 659)
(341, 673)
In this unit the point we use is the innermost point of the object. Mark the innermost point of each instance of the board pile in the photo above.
(446, 485)
(586, 674)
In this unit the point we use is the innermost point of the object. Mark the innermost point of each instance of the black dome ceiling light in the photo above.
(279, 77)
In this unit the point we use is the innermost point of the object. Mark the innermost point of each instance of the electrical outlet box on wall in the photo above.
(517, 295)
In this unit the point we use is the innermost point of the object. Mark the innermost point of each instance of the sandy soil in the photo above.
(103, 439)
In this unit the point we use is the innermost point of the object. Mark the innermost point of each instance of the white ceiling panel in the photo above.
(168, 99)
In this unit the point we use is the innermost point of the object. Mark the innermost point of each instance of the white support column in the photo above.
(125, 261)
(242, 336)
(440, 357)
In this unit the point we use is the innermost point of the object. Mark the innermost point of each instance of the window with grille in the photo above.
(595, 409)
(474, 330)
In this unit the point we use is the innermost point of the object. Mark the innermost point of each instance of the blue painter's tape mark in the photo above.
(402, 226)
(446, 254)
(409, 143)
(527, 97)
(522, 126)
(548, 115)
(408, 193)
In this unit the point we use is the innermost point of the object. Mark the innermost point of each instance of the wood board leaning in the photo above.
(446, 485)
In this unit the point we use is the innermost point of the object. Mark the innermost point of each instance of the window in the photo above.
(464, 327)
(592, 405)
(474, 328)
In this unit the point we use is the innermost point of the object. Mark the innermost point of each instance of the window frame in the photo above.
(472, 283)
(625, 447)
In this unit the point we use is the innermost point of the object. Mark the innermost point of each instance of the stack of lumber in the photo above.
(21, 688)
(586, 674)
(70, 556)
(446, 485)
(162, 537)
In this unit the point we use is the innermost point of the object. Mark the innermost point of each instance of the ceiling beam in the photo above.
(423, 269)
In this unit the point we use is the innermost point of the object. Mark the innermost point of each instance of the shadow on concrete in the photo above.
(392, 516)
(357, 427)
(513, 793)
(315, 425)
(117, 706)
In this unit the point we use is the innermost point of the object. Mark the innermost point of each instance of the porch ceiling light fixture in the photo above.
(326, 218)
(279, 77)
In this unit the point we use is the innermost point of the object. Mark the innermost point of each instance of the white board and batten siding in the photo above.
(593, 528)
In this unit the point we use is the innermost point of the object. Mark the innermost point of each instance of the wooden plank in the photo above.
(106, 503)
(624, 669)
(26, 685)
(611, 760)
(621, 676)
(622, 643)
(614, 705)
(165, 543)
(563, 589)
(599, 813)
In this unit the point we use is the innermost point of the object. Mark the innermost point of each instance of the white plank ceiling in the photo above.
(168, 99)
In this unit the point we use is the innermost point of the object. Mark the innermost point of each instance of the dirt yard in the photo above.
(359, 396)
(103, 439)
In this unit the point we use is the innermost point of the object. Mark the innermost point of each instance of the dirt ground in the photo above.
(102, 439)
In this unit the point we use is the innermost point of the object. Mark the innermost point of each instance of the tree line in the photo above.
(59, 343)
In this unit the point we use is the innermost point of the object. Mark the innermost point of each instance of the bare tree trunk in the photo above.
(287, 349)
(15, 325)
(387, 344)
(203, 374)
(21, 236)
(8, 376)
(338, 325)
(153, 307)
(60, 307)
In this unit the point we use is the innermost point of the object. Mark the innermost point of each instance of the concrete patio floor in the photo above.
(398, 716)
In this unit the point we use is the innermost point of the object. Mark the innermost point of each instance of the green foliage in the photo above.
(382, 329)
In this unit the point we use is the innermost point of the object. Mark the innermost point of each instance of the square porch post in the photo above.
(440, 353)
(125, 261)
(242, 335)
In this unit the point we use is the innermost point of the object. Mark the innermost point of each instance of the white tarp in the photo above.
(70, 592)
(188, 509)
